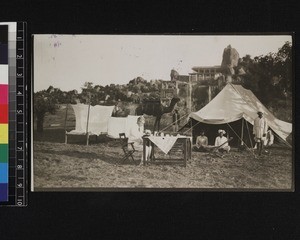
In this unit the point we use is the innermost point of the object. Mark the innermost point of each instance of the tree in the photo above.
(44, 102)
(269, 76)
(71, 97)
(90, 94)
(284, 66)
(200, 96)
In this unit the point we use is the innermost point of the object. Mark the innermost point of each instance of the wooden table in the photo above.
(183, 141)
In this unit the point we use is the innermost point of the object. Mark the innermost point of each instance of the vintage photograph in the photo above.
(139, 112)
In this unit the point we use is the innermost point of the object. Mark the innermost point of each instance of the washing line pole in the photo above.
(65, 127)
(242, 132)
(66, 116)
(87, 125)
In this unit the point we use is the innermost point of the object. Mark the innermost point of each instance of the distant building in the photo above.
(205, 73)
(183, 78)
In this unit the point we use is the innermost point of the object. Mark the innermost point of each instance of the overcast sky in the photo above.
(68, 61)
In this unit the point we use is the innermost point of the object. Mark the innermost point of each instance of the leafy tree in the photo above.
(200, 96)
(284, 66)
(269, 76)
(71, 97)
(92, 94)
(44, 102)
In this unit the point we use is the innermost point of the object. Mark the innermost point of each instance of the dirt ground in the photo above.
(75, 165)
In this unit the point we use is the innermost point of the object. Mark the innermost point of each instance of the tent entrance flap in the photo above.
(211, 132)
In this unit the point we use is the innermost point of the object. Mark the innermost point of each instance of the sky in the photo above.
(68, 61)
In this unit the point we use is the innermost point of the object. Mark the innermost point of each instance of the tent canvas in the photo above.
(118, 125)
(97, 116)
(98, 119)
(234, 103)
(90, 120)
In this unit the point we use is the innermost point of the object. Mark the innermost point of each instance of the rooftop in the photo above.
(196, 68)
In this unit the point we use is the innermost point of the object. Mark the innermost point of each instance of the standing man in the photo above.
(260, 129)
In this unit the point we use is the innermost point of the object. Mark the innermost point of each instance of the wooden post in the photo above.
(242, 133)
(192, 129)
(209, 93)
(189, 105)
(185, 151)
(227, 130)
(87, 125)
(144, 152)
(65, 127)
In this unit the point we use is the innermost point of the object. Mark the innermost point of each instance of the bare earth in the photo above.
(60, 166)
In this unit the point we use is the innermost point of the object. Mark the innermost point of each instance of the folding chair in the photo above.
(127, 147)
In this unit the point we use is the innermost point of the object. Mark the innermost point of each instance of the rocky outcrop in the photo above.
(230, 60)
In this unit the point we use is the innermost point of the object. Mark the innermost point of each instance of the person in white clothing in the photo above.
(269, 140)
(221, 139)
(260, 128)
(135, 135)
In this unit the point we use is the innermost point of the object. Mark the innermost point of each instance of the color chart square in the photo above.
(3, 53)
(3, 172)
(3, 192)
(3, 44)
(3, 74)
(3, 153)
(3, 133)
(3, 113)
(4, 94)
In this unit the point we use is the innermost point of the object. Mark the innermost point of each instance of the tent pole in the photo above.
(209, 93)
(227, 130)
(242, 133)
(190, 94)
(192, 129)
(65, 127)
(87, 125)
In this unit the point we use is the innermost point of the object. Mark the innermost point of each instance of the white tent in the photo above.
(234, 103)
(90, 120)
(118, 125)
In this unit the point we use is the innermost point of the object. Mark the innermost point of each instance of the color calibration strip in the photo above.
(18, 94)
(14, 94)
(4, 113)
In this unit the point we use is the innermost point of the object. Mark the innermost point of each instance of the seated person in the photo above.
(269, 139)
(135, 135)
(221, 139)
(201, 143)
